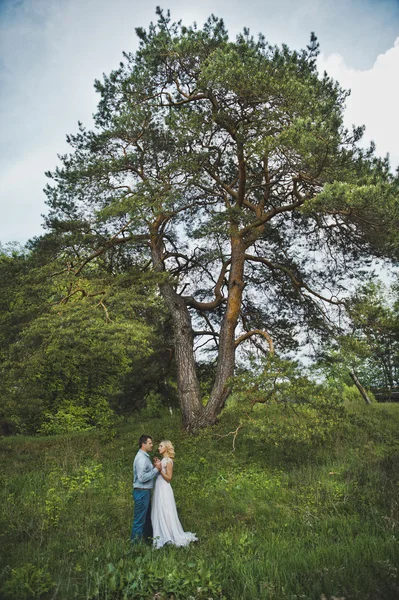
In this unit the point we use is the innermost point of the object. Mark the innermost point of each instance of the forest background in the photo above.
(217, 223)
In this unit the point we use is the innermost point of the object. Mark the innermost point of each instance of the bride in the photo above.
(165, 522)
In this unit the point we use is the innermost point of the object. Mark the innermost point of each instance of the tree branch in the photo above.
(211, 333)
(107, 317)
(114, 241)
(80, 291)
(234, 433)
(296, 282)
(224, 185)
(269, 215)
(219, 298)
(249, 334)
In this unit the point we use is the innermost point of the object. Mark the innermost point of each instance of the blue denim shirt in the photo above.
(143, 471)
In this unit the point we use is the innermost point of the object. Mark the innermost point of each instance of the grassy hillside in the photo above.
(288, 515)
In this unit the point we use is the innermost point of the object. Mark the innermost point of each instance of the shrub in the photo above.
(72, 418)
(67, 420)
(27, 582)
(351, 395)
(154, 407)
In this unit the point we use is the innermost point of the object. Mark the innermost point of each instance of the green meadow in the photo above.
(279, 514)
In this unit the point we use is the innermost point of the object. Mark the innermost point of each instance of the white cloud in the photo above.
(374, 98)
(22, 205)
(51, 52)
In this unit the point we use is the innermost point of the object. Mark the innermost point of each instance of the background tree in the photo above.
(78, 353)
(369, 350)
(224, 167)
(375, 315)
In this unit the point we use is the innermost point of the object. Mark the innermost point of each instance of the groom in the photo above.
(143, 481)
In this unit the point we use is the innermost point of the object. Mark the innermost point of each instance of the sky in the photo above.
(51, 51)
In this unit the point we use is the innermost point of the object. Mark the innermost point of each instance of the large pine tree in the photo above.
(224, 167)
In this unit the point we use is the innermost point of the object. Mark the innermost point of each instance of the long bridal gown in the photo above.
(165, 522)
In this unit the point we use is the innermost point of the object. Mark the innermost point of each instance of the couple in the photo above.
(160, 523)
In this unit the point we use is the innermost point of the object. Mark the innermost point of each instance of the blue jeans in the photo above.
(142, 528)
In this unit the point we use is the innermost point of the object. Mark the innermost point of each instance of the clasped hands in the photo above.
(157, 464)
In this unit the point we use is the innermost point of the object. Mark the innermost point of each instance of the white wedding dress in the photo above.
(165, 522)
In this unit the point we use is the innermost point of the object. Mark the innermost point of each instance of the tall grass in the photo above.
(290, 520)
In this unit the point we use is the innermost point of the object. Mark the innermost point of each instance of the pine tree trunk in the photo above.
(195, 415)
(226, 356)
(187, 380)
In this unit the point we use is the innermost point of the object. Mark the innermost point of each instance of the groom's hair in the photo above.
(143, 439)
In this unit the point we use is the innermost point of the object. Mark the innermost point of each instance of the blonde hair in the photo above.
(169, 448)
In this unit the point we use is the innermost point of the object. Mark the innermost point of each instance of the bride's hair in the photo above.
(169, 448)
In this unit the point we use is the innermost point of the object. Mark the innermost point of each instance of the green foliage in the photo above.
(70, 418)
(273, 521)
(73, 358)
(145, 578)
(75, 350)
(154, 406)
(237, 145)
(371, 344)
(224, 167)
(65, 421)
(27, 582)
(375, 316)
(65, 488)
(288, 409)
(352, 397)
(369, 198)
